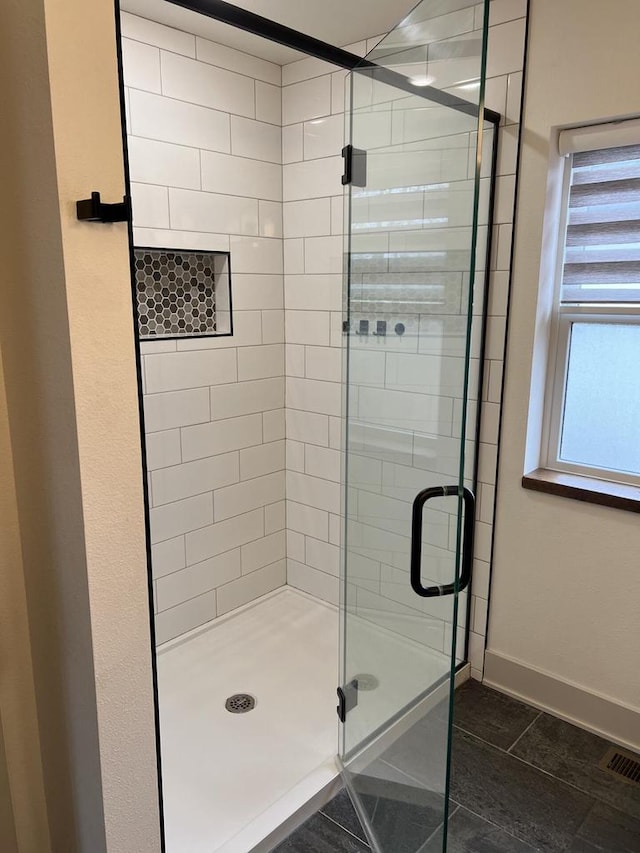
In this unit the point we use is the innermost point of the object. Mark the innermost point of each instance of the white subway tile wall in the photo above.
(266, 186)
(205, 155)
(312, 140)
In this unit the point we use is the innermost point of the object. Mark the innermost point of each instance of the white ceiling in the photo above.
(338, 22)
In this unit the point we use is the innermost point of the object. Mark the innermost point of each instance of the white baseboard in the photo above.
(592, 711)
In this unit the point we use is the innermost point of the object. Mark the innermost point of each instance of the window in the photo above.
(593, 406)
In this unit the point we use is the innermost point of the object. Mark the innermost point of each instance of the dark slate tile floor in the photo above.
(522, 781)
(342, 812)
(535, 808)
(468, 832)
(572, 754)
(321, 835)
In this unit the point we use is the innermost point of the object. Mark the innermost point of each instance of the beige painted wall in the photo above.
(69, 368)
(566, 581)
(23, 816)
(8, 836)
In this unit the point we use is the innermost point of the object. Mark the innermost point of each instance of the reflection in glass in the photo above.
(414, 227)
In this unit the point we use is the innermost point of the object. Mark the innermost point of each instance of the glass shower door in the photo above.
(413, 170)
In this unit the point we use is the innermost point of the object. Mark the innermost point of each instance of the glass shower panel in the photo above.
(414, 238)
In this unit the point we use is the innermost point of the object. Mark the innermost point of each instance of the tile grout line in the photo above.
(402, 772)
(424, 846)
(493, 823)
(344, 828)
(255, 198)
(220, 586)
(522, 734)
(576, 835)
(533, 766)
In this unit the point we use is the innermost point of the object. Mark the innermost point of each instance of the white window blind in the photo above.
(602, 248)
(595, 137)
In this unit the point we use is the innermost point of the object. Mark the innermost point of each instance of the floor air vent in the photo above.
(240, 703)
(622, 765)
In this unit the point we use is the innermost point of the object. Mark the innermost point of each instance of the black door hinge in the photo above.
(355, 166)
(347, 699)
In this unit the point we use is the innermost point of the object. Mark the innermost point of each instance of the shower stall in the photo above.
(310, 243)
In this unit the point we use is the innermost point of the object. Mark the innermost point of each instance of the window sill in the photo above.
(589, 489)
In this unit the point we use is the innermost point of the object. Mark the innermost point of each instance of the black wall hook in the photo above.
(94, 210)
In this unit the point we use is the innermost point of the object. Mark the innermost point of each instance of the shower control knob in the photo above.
(400, 329)
(363, 327)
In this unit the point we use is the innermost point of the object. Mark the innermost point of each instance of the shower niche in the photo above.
(182, 293)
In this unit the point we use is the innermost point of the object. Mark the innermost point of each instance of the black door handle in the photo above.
(467, 540)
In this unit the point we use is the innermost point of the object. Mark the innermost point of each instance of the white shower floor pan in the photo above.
(231, 780)
(235, 783)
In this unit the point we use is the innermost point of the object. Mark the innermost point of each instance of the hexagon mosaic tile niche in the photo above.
(182, 294)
